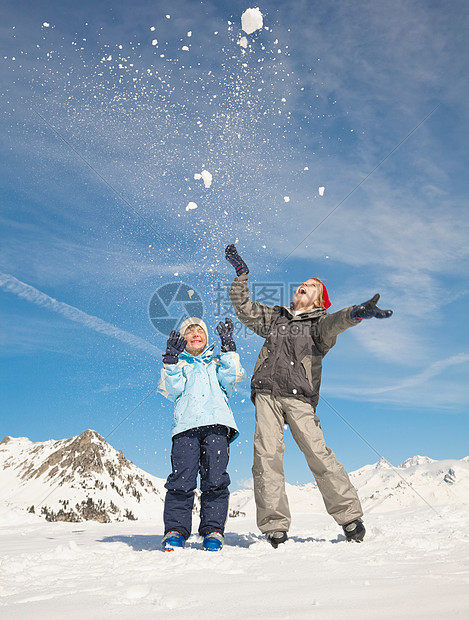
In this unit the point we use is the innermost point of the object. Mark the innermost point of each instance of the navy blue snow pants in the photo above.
(201, 450)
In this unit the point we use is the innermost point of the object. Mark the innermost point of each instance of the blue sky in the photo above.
(99, 121)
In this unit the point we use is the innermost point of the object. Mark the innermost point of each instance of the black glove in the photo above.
(369, 309)
(232, 256)
(174, 347)
(225, 331)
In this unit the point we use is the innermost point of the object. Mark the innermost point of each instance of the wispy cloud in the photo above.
(10, 284)
(421, 378)
(427, 388)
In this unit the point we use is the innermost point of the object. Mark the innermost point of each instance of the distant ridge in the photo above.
(418, 481)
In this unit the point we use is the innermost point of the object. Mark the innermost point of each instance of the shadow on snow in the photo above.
(151, 542)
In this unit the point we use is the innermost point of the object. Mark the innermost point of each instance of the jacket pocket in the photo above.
(307, 363)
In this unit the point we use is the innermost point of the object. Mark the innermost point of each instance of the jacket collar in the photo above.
(206, 355)
(309, 314)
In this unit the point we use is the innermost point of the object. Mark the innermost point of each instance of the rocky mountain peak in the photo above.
(81, 477)
(82, 455)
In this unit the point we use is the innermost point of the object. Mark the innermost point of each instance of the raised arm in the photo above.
(229, 370)
(254, 315)
(172, 380)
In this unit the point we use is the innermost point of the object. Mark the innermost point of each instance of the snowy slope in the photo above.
(412, 565)
(418, 481)
(78, 478)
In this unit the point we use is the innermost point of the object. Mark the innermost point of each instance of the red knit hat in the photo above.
(325, 296)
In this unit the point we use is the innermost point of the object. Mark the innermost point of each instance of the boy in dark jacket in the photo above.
(285, 388)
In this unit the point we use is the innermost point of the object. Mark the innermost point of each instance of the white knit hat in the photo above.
(193, 320)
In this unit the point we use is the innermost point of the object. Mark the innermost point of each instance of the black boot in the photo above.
(276, 538)
(354, 531)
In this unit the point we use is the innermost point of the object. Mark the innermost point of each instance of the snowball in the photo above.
(46, 25)
(153, 29)
(205, 176)
(286, 198)
(189, 34)
(251, 20)
(154, 42)
(321, 191)
(191, 206)
(185, 48)
(243, 42)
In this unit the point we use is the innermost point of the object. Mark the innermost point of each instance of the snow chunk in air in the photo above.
(243, 42)
(191, 206)
(321, 191)
(206, 177)
(251, 20)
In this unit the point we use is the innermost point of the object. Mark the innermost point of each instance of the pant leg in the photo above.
(339, 495)
(181, 483)
(214, 479)
(273, 512)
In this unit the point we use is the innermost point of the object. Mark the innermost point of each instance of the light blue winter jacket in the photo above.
(200, 386)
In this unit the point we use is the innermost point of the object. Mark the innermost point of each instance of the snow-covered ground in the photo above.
(414, 563)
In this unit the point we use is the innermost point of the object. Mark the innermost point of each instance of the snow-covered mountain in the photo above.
(84, 478)
(80, 478)
(418, 481)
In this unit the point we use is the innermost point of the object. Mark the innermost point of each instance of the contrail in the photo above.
(12, 285)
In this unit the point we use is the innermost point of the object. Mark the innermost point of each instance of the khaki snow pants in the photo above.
(273, 512)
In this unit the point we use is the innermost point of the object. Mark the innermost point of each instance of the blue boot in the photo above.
(213, 541)
(173, 540)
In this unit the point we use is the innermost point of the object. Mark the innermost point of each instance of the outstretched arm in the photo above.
(330, 326)
(369, 309)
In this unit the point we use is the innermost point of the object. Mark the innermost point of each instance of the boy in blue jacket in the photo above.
(199, 384)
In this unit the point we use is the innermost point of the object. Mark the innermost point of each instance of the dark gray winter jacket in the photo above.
(290, 361)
